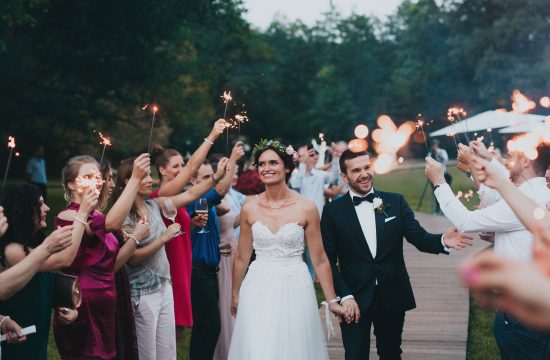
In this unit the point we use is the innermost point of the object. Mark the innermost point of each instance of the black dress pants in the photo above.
(206, 313)
(388, 328)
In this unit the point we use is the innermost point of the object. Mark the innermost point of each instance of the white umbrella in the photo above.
(488, 120)
(525, 127)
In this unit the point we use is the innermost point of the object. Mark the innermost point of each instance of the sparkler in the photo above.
(105, 141)
(226, 99)
(154, 108)
(492, 144)
(521, 104)
(420, 124)
(11, 145)
(92, 181)
(454, 114)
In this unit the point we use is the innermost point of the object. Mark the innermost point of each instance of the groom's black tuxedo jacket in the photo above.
(353, 268)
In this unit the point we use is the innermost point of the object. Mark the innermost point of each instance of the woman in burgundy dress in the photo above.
(174, 175)
(92, 335)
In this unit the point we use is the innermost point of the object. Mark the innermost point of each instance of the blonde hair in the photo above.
(70, 172)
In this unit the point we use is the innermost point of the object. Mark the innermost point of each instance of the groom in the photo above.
(363, 233)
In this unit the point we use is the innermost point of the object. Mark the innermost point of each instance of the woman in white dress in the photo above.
(276, 307)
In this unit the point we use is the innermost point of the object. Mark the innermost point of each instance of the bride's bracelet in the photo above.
(336, 300)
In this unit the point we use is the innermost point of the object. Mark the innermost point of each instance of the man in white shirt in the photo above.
(512, 239)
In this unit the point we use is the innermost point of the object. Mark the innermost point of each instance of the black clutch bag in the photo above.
(66, 291)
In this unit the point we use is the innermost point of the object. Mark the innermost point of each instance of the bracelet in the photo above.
(80, 220)
(3, 319)
(134, 238)
(336, 300)
(209, 141)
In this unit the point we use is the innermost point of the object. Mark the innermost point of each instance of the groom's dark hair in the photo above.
(348, 155)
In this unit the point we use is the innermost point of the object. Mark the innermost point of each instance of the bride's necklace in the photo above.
(283, 201)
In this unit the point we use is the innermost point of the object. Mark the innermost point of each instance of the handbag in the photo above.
(66, 291)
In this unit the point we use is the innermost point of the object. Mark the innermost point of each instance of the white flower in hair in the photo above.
(289, 150)
(376, 202)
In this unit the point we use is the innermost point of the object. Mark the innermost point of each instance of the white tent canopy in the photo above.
(489, 120)
(525, 127)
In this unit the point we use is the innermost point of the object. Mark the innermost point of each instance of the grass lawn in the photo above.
(410, 183)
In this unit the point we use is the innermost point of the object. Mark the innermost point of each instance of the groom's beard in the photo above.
(356, 186)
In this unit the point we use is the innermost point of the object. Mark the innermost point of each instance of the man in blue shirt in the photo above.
(206, 258)
(36, 170)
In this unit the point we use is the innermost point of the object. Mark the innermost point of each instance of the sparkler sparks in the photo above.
(11, 146)
(420, 124)
(226, 100)
(454, 115)
(154, 108)
(90, 181)
(521, 104)
(105, 141)
(467, 196)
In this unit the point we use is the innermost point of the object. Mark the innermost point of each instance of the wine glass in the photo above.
(201, 207)
(170, 211)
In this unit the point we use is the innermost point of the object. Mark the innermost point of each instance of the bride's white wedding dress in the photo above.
(277, 316)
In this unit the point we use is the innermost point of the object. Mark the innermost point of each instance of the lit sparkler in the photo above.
(420, 124)
(492, 144)
(11, 146)
(226, 100)
(92, 181)
(455, 114)
(154, 108)
(105, 141)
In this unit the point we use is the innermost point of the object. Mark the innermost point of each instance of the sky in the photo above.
(261, 12)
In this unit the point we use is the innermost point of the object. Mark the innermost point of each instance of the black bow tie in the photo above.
(358, 200)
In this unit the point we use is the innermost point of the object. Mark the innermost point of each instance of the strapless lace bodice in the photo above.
(287, 241)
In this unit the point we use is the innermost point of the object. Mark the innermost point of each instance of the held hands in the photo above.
(142, 167)
(455, 240)
(237, 152)
(12, 330)
(434, 171)
(3, 222)
(67, 316)
(58, 240)
(352, 312)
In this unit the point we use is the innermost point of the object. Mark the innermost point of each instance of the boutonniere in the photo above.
(379, 206)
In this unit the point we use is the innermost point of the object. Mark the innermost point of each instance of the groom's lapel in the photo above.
(380, 224)
(350, 216)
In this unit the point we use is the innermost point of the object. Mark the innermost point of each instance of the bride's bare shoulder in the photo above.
(250, 203)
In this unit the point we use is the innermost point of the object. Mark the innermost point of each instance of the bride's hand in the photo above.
(339, 311)
(234, 305)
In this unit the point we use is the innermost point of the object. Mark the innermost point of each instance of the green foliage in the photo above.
(69, 68)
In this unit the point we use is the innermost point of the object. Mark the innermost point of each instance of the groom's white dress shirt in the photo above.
(367, 220)
(512, 239)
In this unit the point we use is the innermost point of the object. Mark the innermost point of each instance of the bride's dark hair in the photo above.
(280, 150)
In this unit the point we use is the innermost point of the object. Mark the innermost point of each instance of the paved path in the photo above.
(438, 327)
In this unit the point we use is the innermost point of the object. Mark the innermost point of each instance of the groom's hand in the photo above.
(456, 240)
(352, 311)
(434, 172)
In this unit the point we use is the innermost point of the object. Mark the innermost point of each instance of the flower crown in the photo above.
(274, 144)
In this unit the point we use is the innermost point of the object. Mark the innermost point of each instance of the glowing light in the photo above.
(321, 136)
(389, 138)
(545, 101)
(106, 141)
(539, 213)
(400, 160)
(17, 154)
(145, 107)
(90, 181)
(384, 163)
(459, 195)
(521, 103)
(358, 145)
(155, 108)
(226, 97)
(361, 131)
(11, 142)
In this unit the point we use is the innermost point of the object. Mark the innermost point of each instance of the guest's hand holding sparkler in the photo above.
(217, 129)
(12, 330)
(66, 316)
(479, 148)
(142, 167)
(237, 153)
(464, 158)
(434, 171)
(3, 222)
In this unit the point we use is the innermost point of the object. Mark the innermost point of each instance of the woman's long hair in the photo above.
(124, 173)
(21, 204)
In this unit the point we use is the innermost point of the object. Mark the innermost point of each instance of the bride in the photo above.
(276, 307)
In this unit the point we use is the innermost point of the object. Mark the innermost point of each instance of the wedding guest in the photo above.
(36, 171)
(174, 175)
(206, 260)
(93, 333)
(148, 267)
(31, 305)
(512, 239)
